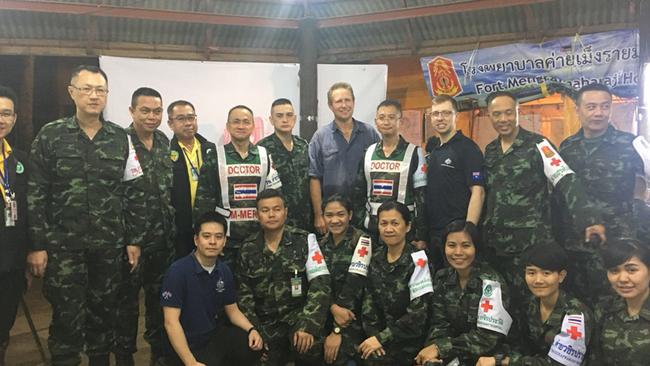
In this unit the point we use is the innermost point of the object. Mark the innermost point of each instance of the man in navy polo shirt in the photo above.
(198, 293)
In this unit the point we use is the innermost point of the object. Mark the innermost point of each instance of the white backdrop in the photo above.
(215, 87)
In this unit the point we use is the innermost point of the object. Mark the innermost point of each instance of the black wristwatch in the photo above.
(498, 359)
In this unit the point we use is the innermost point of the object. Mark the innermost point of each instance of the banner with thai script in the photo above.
(564, 64)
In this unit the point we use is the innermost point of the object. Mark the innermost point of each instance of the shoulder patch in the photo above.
(420, 282)
(491, 313)
(569, 347)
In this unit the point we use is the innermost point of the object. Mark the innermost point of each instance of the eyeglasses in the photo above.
(88, 90)
(185, 118)
(7, 115)
(388, 118)
(436, 114)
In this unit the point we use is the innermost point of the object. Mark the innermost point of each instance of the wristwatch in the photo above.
(337, 329)
(498, 359)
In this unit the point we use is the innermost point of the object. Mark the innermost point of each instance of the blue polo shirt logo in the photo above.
(220, 286)
(167, 295)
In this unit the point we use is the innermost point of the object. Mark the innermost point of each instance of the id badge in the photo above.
(195, 175)
(11, 213)
(296, 285)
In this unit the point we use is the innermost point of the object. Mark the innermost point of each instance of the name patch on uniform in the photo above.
(244, 191)
(244, 170)
(382, 187)
(243, 214)
(386, 166)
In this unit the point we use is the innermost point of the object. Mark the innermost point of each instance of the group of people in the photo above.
(355, 248)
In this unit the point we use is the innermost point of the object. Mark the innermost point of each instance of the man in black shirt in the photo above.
(455, 176)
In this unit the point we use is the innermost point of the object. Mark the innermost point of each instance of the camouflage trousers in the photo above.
(587, 277)
(397, 354)
(81, 286)
(278, 337)
(351, 337)
(148, 275)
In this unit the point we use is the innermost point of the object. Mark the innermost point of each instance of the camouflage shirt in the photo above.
(454, 313)
(607, 166)
(518, 192)
(154, 187)
(76, 196)
(293, 168)
(415, 191)
(265, 293)
(388, 312)
(621, 339)
(538, 336)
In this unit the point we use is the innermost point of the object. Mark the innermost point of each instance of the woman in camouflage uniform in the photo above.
(458, 291)
(623, 334)
(558, 327)
(395, 302)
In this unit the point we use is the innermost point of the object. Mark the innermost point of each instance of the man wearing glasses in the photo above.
(188, 151)
(81, 217)
(152, 149)
(392, 169)
(455, 175)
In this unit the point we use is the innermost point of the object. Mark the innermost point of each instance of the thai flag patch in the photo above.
(382, 187)
(574, 319)
(244, 191)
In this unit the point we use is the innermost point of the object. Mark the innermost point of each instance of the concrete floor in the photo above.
(22, 349)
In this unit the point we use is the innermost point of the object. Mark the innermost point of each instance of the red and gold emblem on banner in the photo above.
(443, 77)
(547, 151)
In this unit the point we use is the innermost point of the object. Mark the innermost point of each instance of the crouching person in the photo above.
(284, 285)
(197, 296)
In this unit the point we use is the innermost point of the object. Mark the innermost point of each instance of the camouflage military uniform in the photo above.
(77, 205)
(517, 212)
(347, 290)
(265, 294)
(293, 169)
(388, 313)
(245, 179)
(621, 339)
(385, 185)
(154, 188)
(454, 313)
(537, 336)
(607, 167)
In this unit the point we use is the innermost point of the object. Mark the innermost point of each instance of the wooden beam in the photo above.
(423, 11)
(146, 14)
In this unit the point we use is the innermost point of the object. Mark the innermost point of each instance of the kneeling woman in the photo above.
(469, 303)
(623, 334)
(397, 293)
(559, 326)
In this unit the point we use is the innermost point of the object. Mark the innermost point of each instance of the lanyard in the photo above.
(198, 160)
(5, 174)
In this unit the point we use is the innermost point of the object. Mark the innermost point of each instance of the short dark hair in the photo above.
(391, 103)
(90, 68)
(144, 92)
(501, 93)
(207, 217)
(466, 227)
(397, 206)
(444, 98)
(547, 256)
(280, 101)
(7, 92)
(337, 197)
(240, 106)
(269, 193)
(592, 87)
(619, 250)
(175, 103)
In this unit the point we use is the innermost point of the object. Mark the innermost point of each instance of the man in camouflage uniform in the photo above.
(392, 169)
(517, 211)
(81, 217)
(291, 157)
(152, 149)
(231, 178)
(278, 292)
(610, 168)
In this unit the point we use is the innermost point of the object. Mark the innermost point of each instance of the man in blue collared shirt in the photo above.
(336, 150)
(197, 295)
